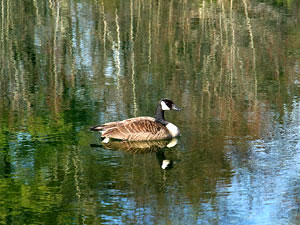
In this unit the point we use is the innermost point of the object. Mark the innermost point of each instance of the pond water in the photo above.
(233, 68)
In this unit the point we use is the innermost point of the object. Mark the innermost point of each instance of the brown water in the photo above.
(232, 66)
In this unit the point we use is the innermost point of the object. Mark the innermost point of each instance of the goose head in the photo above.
(164, 105)
(167, 104)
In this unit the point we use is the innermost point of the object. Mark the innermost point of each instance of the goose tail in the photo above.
(96, 128)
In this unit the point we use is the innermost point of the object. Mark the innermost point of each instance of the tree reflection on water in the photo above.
(232, 65)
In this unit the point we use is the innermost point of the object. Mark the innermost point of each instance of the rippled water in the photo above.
(232, 66)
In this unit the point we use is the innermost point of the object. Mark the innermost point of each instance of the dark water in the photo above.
(232, 66)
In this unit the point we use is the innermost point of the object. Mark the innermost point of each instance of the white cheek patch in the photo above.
(174, 131)
(164, 106)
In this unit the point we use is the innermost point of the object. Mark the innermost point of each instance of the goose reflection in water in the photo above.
(144, 147)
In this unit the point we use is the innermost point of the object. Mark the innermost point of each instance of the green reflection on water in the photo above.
(66, 65)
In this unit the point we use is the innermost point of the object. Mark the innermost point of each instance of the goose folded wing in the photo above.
(137, 129)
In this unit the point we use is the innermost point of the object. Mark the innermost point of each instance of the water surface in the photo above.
(232, 66)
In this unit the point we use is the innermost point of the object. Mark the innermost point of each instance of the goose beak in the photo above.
(174, 107)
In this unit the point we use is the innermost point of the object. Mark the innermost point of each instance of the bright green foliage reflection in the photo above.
(233, 66)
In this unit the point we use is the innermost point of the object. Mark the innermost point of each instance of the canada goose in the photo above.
(141, 128)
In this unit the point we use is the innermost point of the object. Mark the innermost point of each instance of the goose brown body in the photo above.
(141, 128)
(137, 129)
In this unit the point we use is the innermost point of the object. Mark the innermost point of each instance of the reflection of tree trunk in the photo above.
(253, 51)
(132, 60)
(150, 38)
(55, 88)
(232, 48)
(83, 192)
(102, 12)
(117, 55)
(37, 13)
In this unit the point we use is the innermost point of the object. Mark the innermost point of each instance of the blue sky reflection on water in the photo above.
(264, 188)
(232, 66)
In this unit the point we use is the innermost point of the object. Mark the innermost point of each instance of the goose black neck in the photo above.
(160, 115)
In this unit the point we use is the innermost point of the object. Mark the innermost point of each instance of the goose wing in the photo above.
(108, 125)
(136, 129)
